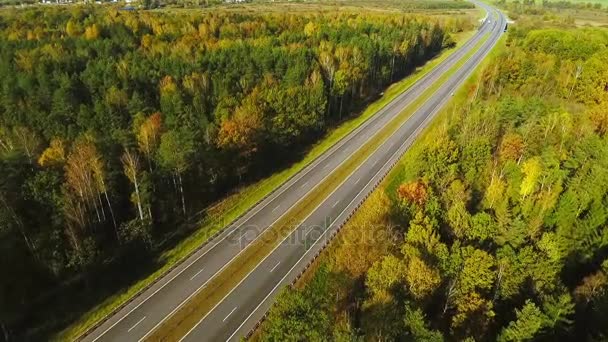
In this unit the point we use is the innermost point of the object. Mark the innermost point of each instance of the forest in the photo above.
(118, 127)
(494, 226)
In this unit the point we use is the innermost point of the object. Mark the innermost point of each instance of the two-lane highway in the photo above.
(243, 307)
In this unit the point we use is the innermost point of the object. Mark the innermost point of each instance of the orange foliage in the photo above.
(149, 134)
(239, 132)
(54, 154)
(511, 147)
(414, 192)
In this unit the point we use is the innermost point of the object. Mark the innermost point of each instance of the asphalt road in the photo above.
(238, 312)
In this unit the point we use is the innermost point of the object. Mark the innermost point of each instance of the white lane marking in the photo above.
(136, 324)
(326, 166)
(335, 204)
(375, 162)
(305, 184)
(225, 318)
(197, 273)
(413, 135)
(275, 266)
(358, 180)
(275, 208)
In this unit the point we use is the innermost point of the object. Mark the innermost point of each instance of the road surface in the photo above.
(245, 305)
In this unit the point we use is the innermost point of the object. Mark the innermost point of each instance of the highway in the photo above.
(238, 313)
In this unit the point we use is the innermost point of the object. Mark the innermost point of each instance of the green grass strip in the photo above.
(228, 210)
(203, 302)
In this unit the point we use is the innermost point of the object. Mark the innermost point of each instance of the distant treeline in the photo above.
(537, 7)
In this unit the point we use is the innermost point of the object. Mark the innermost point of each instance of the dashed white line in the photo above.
(275, 266)
(375, 162)
(197, 273)
(303, 185)
(326, 166)
(275, 208)
(335, 204)
(358, 180)
(136, 324)
(225, 318)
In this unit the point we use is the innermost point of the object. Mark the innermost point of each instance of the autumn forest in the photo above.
(494, 225)
(118, 127)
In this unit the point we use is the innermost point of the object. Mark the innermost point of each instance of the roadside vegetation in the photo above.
(493, 225)
(117, 129)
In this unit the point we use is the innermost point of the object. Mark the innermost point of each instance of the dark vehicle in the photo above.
(506, 27)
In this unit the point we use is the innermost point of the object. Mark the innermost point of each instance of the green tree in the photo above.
(175, 156)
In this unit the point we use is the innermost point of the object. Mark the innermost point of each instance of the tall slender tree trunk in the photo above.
(141, 213)
(96, 211)
(30, 245)
(103, 212)
(175, 183)
(111, 213)
(498, 283)
(149, 164)
(181, 190)
(449, 293)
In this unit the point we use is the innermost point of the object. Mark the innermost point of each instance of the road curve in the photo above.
(238, 312)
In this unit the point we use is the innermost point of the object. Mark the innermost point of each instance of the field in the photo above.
(561, 14)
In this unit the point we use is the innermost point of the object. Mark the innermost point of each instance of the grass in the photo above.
(203, 302)
(226, 211)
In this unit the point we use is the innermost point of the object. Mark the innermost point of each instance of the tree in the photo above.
(54, 154)
(301, 314)
(418, 328)
(174, 154)
(384, 275)
(415, 192)
(130, 162)
(148, 135)
(421, 279)
(526, 327)
(85, 177)
(531, 169)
